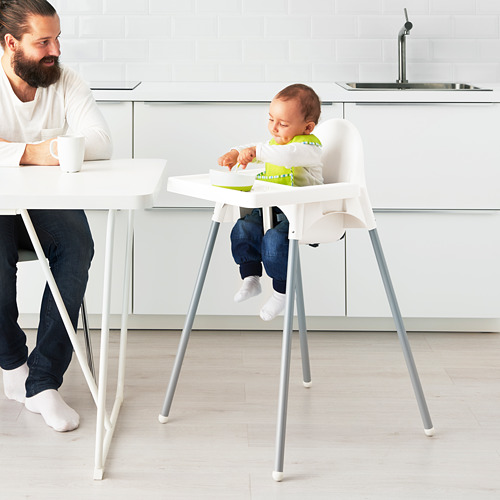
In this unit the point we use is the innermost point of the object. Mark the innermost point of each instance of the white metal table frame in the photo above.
(264, 195)
(109, 185)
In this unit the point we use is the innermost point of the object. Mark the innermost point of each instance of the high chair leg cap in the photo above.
(162, 419)
(277, 476)
(429, 432)
(307, 384)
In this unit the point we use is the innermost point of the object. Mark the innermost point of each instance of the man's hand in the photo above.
(246, 156)
(229, 159)
(39, 154)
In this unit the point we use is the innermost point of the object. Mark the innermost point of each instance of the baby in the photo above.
(293, 157)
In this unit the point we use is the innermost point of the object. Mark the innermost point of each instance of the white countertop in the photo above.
(263, 92)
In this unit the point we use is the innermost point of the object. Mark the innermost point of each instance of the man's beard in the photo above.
(35, 73)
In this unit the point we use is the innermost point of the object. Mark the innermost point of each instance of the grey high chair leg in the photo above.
(188, 325)
(294, 286)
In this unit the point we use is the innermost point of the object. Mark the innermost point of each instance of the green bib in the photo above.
(284, 175)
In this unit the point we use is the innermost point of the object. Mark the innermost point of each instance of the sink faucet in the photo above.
(403, 33)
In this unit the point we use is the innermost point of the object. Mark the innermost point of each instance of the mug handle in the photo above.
(50, 149)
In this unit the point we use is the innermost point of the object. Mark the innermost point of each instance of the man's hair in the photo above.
(14, 15)
(309, 100)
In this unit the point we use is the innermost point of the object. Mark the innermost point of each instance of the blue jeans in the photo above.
(67, 242)
(251, 247)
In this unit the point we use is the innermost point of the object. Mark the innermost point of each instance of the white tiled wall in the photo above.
(280, 40)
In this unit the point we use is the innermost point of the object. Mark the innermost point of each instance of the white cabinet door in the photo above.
(430, 155)
(442, 264)
(169, 245)
(192, 135)
(31, 281)
(119, 116)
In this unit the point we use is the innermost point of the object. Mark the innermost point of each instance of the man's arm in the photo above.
(38, 154)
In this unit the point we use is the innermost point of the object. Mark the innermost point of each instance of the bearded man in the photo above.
(39, 100)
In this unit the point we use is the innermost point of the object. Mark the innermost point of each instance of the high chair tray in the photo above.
(263, 194)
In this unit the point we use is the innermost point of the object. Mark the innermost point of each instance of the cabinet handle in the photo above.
(467, 104)
(458, 211)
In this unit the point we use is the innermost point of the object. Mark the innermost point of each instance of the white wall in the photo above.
(280, 40)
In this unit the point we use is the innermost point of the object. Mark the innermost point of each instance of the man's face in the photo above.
(36, 56)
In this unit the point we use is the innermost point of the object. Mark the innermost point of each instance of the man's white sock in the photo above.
(14, 382)
(54, 410)
(250, 288)
(274, 306)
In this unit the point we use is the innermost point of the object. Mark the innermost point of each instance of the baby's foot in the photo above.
(274, 306)
(56, 413)
(14, 383)
(250, 288)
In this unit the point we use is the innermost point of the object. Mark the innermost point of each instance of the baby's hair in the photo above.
(14, 16)
(309, 100)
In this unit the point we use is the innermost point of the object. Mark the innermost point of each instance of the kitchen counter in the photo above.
(263, 92)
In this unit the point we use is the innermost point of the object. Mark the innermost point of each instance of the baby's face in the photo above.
(286, 121)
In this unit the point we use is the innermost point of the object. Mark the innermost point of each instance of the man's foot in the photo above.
(56, 413)
(274, 306)
(250, 288)
(14, 383)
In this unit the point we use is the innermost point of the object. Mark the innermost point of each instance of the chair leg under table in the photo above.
(403, 337)
(188, 325)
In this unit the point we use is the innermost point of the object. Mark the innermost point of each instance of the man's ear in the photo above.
(309, 128)
(10, 42)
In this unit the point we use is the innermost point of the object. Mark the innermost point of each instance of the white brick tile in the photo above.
(454, 50)
(219, 50)
(81, 50)
(148, 27)
(171, 7)
(379, 26)
(265, 50)
(380, 72)
(358, 6)
(334, 26)
(265, 6)
(197, 27)
(430, 72)
(451, 7)
(218, 6)
(489, 50)
(242, 72)
(288, 26)
(333, 72)
(69, 26)
(431, 27)
(195, 72)
(488, 6)
(87, 7)
(288, 72)
(241, 27)
(126, 50)
(477, 73)
(412, 6)
(359, 50)
(148, 72)
(102, 72)
(312, 50)
(102, 26)
(172, 50)
(316, 7)
(476, 26)
(126, 6)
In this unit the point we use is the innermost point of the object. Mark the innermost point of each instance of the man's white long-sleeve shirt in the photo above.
(65, 107)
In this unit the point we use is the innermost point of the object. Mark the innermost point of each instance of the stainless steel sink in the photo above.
(407, 86)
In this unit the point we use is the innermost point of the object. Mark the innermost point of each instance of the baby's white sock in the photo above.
(56, 413)
(274, 306)
(250, 288)
(14, 382)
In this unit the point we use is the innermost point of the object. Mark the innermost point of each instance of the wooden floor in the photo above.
(355, 434)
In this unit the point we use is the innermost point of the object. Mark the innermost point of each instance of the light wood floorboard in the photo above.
(355, 434)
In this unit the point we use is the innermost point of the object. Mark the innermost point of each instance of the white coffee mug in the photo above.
(70, 152)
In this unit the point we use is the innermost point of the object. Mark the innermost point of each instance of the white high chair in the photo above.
(317, 214)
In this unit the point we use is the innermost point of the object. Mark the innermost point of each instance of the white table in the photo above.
(107, 185)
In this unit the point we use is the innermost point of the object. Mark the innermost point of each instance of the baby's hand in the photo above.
(229, 159)
(246, 156)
